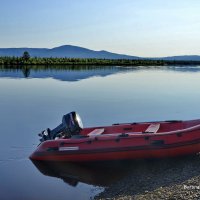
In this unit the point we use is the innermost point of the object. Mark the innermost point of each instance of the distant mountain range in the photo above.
(70, 51)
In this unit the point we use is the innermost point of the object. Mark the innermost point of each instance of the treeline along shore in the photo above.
(21, 61)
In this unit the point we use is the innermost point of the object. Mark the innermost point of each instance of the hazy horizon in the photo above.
(146, 28)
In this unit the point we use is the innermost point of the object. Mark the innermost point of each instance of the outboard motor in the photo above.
(71, 125)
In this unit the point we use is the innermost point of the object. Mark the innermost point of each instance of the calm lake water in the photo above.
(32, 100)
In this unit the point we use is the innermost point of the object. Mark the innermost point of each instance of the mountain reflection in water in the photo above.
(62, 73)
(76, 73)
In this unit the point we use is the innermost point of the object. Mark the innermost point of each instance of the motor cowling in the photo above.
(71, 125)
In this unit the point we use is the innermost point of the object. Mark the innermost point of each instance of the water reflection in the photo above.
(62, 73)
(94, 173)
(26, 72)
(131, 177)
(184, 68)
(75, 73)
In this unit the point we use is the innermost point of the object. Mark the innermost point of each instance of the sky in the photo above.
(150, 28)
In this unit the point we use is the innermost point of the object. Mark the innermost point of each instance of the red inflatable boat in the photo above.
(119, 141)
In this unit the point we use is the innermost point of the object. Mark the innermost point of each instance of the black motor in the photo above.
(71, 125)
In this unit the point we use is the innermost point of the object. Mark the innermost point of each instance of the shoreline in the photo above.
(20, 62)
(176, 178)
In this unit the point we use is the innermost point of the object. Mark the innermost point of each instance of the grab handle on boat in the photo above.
(158, 142)
(124, 135)
(179, 134)
(173, 121)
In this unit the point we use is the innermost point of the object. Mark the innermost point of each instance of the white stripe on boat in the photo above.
(68, 148)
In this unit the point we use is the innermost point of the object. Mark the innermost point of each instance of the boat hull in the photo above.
(123, 146)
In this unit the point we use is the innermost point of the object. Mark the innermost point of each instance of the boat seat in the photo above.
(95, 132)
(152, 128)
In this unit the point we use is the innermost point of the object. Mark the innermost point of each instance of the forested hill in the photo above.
(66, 51)
(70, 51)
